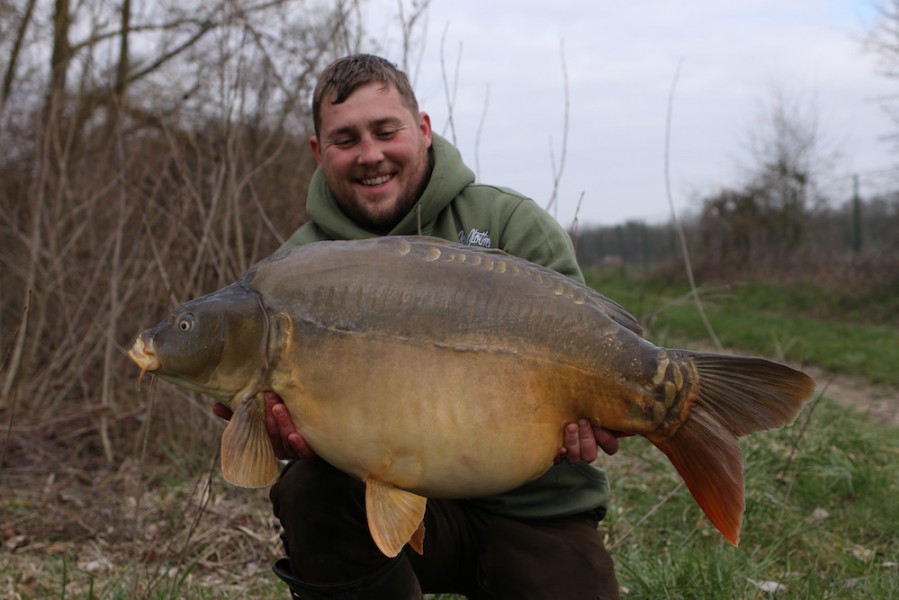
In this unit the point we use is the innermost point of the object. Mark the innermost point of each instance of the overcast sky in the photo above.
(621, 59)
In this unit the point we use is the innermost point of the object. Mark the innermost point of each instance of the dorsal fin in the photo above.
(609, 307)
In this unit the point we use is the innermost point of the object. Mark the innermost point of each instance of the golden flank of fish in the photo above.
(395, 355)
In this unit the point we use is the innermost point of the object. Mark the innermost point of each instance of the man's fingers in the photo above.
(560, 456)
(222, 410)
(586, 441)
(579, 443)
(273, 426)
(286, 441)
(282, 420)
(571, 444)
(606, 439)
(299, 446)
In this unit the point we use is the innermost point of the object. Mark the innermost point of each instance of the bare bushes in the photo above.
(134, 183)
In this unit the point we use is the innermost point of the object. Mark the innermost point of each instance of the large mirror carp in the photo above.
(426, 368)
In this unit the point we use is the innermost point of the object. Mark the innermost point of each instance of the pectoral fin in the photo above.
(248, 459)
(395, 517)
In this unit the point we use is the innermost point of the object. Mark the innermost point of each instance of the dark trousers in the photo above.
(467, 550)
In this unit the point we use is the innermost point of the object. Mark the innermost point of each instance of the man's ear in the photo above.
(424, 125)
(316, 150)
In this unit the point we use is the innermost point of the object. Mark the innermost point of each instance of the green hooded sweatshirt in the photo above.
(454, 207)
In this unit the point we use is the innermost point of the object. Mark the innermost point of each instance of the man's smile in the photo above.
(376, 181)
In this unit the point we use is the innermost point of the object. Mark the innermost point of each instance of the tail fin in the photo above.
(735, 396)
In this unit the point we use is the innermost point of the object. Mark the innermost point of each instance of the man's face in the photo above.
(373, 153)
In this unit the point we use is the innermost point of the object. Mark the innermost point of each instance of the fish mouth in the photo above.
(143, 354)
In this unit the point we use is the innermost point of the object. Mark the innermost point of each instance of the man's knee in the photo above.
(312, 488)
(547, 558)
(322, 512)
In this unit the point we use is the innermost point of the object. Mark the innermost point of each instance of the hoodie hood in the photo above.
(449, 176)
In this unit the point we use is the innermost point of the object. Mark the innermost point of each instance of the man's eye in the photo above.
(386, 134)
(344, 142)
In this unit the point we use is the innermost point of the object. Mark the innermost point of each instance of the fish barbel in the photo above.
(395, 355)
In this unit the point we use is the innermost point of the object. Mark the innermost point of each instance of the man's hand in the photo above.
(287, 443)
(582, 442)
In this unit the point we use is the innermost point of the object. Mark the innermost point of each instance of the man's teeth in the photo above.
(376, 180)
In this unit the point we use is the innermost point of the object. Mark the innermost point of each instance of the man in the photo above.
(382, 171)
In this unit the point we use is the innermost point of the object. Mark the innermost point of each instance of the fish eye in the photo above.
(185, 323)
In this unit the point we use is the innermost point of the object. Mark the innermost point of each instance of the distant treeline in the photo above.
(735, 236)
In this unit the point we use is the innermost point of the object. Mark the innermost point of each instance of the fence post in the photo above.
(856, 216)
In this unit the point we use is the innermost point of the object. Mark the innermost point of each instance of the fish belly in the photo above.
(440, 422)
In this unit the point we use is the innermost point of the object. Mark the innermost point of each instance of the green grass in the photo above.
(821, 519)
(802, 324)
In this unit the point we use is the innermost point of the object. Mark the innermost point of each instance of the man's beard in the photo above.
(385, 221)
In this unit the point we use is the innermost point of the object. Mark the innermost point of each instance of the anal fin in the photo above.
(417, 541)
(395, 517)
(709, 460)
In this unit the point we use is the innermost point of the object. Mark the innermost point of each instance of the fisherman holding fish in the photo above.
(383, 172)
(424, 381)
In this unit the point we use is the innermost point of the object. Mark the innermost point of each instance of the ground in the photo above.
(877, 402)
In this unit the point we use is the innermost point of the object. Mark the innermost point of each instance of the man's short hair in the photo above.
(344, 75)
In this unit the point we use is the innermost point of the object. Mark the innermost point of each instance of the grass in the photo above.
(802, 324)
(197, 539)
(820, 521)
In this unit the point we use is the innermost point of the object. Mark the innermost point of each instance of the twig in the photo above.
(178, 554)
(419, 11)
(651, 511)
(791, 457)
(551, 206)
(9, 391)
(450, 94)
(145, 438)
(682, 239)
(574, 221)
(805, 423)
(477, 136)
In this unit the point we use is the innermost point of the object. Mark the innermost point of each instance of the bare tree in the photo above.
(883, 40)
(768, 218)
(9, 74)
(166, 143)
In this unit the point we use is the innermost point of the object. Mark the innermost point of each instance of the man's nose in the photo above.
(369, 151)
